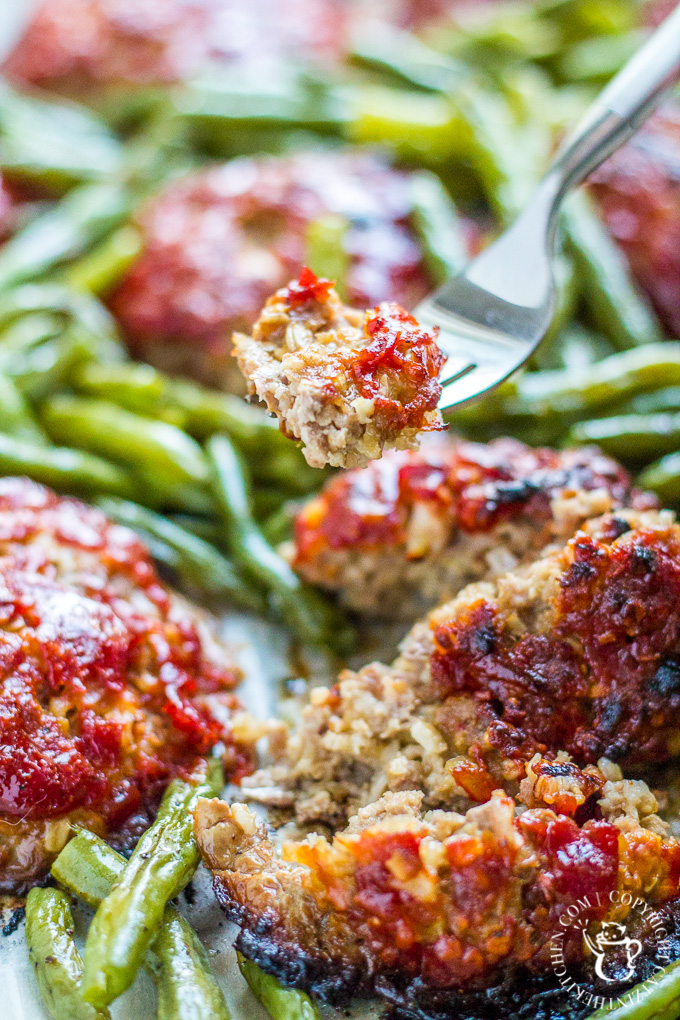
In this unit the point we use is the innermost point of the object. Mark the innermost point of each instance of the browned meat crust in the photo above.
(349, 385)
(411, 529)
(447, 828)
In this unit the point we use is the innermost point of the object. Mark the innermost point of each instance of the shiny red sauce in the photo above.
(103, 674)
(467, 485)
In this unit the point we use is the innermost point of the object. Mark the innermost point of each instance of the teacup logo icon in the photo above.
(612, 936)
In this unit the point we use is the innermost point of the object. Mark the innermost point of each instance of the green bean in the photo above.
(597, 59)
(629, 437)
(198, 563)
(488, 135)
(416, 125)
(78, 308)
(203, 527)
(66, 470)
(202, 412)
(101, 269)
(16, 418)
(655, 999)
(129, 917)
(666, 399)
(83, 216)
(663, 478)
(617, 377)
(617, 308)
(436, 221)
(326, 254)
(278, 526)
(307, 613)
(88, 867)
(28, 330)
(53, 144)
(401, 56)
(104, 428)
(56, 962)
(281, 1003)
(187, 989)
(160, 491)
(47, 367)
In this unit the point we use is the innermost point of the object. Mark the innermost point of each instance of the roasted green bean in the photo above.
(100, 269)
(16, 417)
(129, 917)
(630, 437)
(302, 608)
(436, 221)
(326, 254)
(65, 230)
(281, 1003)
(55, 960)
(199, 564)
(618, 309)
(663, 478)
(72, 471)
(187, 989)
(106, 429)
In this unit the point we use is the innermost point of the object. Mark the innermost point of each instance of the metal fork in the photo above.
(494, 315)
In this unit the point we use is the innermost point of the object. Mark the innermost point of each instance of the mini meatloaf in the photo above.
(438, 816)
(80, 46)
(111, 683)
(349, 384)
(638, 190)
(410, 530)
(219, 242)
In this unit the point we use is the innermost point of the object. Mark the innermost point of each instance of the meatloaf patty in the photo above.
(111, 683)
(348, 384)
(219, 242)
(410, 530)
(437, 817)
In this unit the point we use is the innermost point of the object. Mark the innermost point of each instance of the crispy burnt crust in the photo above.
(111, 683)
(410, 530)
(432, 825)
(348, 384)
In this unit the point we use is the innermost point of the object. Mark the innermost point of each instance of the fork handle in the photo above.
(617, 113)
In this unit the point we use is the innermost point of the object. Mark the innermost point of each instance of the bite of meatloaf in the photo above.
(435, 818)
(219, 242)
(348, 384)
(78, 46)
(111, 683)
(410, 530)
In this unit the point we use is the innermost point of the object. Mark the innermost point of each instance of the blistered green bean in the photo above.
(199, 564)
(54, 957)
(129, 917)
(281, 1003)
(70, 471)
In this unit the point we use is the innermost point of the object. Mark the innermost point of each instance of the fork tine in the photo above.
(454, 368)
(472, 384)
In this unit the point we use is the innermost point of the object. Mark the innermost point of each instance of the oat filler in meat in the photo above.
(111, 683)
(443, 812)
(218, 242)
(411, 529)
(349, 384)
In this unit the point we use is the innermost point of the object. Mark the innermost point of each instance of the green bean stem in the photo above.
(298, 604)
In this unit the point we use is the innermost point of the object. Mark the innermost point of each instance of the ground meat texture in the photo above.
(411, 529)
(436, 817)
(218, 243)
(348, 384)
(77, 46)
(432, 902)
(111, 683)
(638, 190)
